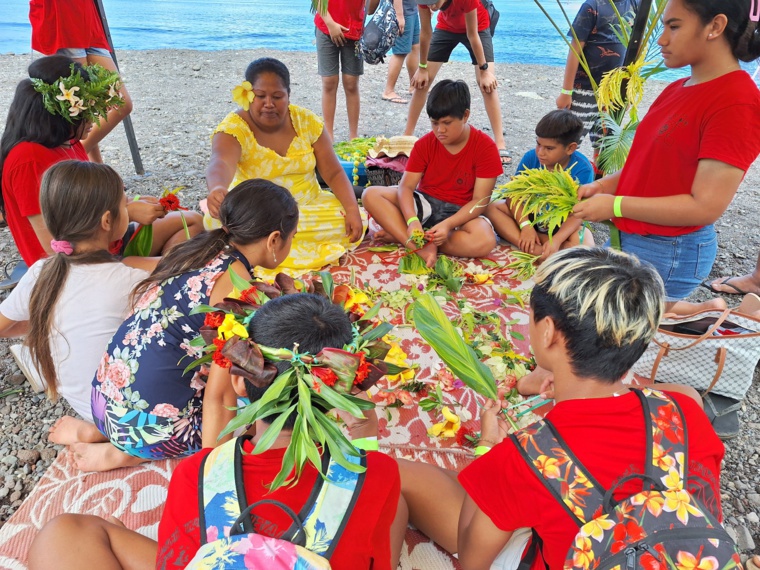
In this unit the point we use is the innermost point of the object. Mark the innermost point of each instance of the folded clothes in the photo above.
(397, 163)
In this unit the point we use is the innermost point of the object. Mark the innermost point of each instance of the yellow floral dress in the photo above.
(321, 237)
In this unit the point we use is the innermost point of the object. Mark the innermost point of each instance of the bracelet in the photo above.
(422, 65)
(566, 91)
(366, 443)
(412, 219)
(525, 223)
(481, 450)
(599, 181)
(616, 210)
(488, 442)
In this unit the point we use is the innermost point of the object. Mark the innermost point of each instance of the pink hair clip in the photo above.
(754, 11)
(62, 246)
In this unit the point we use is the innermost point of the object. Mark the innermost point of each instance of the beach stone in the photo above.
(48, 454)
(10, 460)
(28, 456)
(744, 538)
(753, 518)
(15, 496)
(754, 498)
(4, 492)
(17, 379)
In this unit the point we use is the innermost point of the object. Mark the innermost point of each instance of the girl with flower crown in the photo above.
(147, 403)
(272, 139)
(51, 112)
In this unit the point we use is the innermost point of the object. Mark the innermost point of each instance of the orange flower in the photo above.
(687, 561)
(214, 319)
(548, 466)
(218, 358)
(583, 554)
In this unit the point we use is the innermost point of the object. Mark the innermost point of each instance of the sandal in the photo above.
(12, 278)
(505, 156)
(723, 414)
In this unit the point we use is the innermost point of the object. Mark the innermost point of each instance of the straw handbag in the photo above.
(711, 351)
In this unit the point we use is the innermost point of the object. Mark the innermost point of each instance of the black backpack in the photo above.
(380, 33)
(493, 13)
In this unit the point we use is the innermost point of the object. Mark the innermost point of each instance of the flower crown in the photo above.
(314, 382)
(74, 98)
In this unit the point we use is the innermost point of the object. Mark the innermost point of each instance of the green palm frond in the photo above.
(318, 6)
(615, 145)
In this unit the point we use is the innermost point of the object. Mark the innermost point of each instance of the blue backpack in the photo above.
(380, 33)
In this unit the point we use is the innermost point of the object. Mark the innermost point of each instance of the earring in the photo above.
(709, 35)
(274, 257)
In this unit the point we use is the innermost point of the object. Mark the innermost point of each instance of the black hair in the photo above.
(742, 33)
(448, 98)
(268, 65)
(251, 211)
(28, 120)
(606, 304)
(312, 321)
(562, 125)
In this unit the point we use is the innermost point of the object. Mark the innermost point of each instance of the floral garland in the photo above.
(313, 384)
(73, 98)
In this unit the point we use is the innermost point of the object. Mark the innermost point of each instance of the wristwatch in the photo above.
(484, 66)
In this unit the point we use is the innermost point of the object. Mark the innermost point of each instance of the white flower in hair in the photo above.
(68, 94)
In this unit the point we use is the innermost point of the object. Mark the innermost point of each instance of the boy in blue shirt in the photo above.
(557, 137)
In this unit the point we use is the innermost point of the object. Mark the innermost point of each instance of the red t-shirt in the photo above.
(607, 436)
(451, 177)
(348, 13)
(365, 542)
(452, 18)
(718, 119)
(58, 24)
(22, 174)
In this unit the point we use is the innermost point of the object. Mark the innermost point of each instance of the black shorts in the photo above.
(443, 43)
(432, 211)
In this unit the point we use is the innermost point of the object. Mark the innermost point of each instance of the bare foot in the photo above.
(383, 237)
(736, 285)
(429, 254)
(681, 308)
(68, 430)
(101, 457)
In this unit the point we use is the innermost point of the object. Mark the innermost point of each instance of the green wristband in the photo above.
(616, 206)
(524, 224)
(566, 91)
(366, 443)
(422, 65)
(481, 450)
(412, 219)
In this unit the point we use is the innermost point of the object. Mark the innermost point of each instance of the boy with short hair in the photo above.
(558, 134)
(447, 184)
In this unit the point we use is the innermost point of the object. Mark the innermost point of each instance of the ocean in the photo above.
(524, 34)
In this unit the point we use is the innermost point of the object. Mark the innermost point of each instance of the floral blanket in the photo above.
(489, 298)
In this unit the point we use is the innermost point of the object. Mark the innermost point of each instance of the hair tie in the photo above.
(62, 246)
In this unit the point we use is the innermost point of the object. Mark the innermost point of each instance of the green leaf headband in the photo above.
(73, 98)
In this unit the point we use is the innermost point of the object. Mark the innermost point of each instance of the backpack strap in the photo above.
(667, 439)
(220, 489)
(555, 465)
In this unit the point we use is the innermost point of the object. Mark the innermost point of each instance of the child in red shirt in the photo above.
(447, 184)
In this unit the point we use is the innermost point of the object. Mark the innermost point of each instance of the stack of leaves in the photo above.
(446, 272)
(546, 195)
(313, 385)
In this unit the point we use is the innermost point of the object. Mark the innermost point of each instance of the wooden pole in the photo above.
(131, 138)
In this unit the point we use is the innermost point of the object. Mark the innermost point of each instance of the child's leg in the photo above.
(101, 457)
(328, 66)
(503, 221)
(75, 541)
(353, 103)
(412, 63)
(114, 117)
(382, 204)
(419, 97)
(329, 100)
(68, 430)
(582, 236)
(169, 231)
(395, 63)
(474, 239)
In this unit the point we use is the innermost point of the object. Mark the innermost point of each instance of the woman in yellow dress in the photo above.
(270, 138)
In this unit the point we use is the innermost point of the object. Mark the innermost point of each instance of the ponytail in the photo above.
(741, 32)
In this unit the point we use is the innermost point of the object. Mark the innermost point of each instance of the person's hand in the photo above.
(564, 101)
(214, 201)
(336, 33)
(354, 227)
(588, 190)
(487, 81)
(550, 247)
(145, 211)
(439, 233)
(493, 426)
(401, 23)
(595, 209)
(529, 242)
(360, 427)
(421, 79)
(547, 387)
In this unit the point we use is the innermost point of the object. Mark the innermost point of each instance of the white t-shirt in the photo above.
(92, 305)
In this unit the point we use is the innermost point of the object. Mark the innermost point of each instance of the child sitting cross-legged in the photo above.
(353, 512)
(557, 136)
(447, 184)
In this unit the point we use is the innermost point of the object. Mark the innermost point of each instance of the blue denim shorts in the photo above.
(683, 262)
(81, 53)
(410, 37)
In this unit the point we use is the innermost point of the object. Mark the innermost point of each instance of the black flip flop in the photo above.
(723, 413)
(708, 285)
(14, 276)
(505, 156)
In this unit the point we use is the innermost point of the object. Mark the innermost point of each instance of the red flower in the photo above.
(362, 371)
(625, 534)
(214, 319)
(669, 421)
(218, 358)
(465, 437)
(327, 376)
(170, 202)
(249, 296)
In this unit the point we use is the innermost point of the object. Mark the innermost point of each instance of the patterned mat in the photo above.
(136, 494)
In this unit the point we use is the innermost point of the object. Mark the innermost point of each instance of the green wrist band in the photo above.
(366, 443)
(412, 219)
(566, 91)
(422, 65)
(481, 450)
(525, 223)
(616, 207)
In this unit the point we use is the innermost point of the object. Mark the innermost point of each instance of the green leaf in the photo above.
(394, 369)
(270, 435)
(288, 464)
(383, 248)
(328, 284)
(238, 282)
(413, 264)
(206, 358)
(372, 313)
(332, 399)
(435, 327)
(141, 242)
(517, 335)
(204, 309)
(378, 332)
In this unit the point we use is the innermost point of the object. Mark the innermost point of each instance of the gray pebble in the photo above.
(753, 518)
(48, 454)
(15, 496)
(744, 538)
(754, 498)
(4, 492)
(10, 460)
(17, 379)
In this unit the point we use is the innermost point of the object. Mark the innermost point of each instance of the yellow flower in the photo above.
(356, 297)
(687, 561)
(583, 554)
(672, 481)
(231, 327)
(653, 502)
(397, 356)
(447, 428)
(595, 528)
(243, 95)
(661, 459)
(679, 502)
(548, 466)
(68, 94)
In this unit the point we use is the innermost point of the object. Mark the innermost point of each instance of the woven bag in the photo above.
(710, 351)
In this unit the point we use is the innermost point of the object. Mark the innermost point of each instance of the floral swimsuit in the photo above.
(143, 401)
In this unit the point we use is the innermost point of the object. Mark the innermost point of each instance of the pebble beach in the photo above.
(181, 95)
